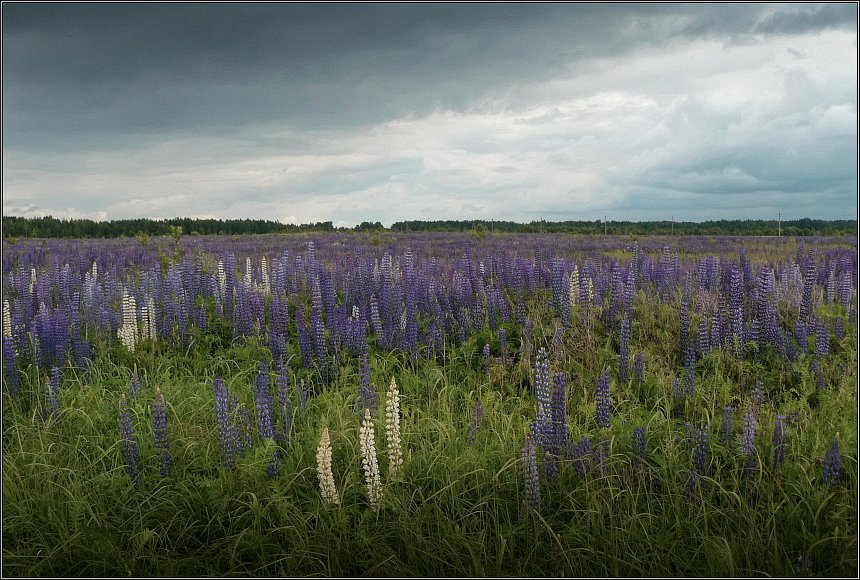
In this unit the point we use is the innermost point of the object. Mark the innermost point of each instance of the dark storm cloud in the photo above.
(810, 19)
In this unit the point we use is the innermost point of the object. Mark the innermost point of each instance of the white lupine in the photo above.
(265, 268)
(392, 430)
(127, 333)
(248, 271)
(95, 271)
(327, 487)
(574, 285)
(149, 330)
(32, 279)
(367, 440)
(222, 278)
(7, 320)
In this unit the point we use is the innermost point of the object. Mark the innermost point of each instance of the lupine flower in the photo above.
(134, 387)
(367, 440)
(530, 474)
(475, 425)
(559, 410)
(748, 434)
(700, 453)
(690, 374)
(263, 405)
(820, 380)
(273, 469)
(726, 429)
(324, 471)
(226, 432)
(624, 352)
(779, 441)
(129, 441)
(838, 328)
(822, 339)
(639, 368)
(127, 332)
(487, 359)
(541, 427)
(603, 400)
(639, 442)
(582, 456)
(10, 367)
(367, 398)
(159, 429)
(832, 462)
(392, 430)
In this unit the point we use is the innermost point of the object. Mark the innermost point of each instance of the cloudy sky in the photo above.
(354, 112)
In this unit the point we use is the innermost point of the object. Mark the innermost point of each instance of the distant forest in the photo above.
(50, 227)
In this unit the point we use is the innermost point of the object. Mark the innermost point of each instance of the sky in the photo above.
(365, 112)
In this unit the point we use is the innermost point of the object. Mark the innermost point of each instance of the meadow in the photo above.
(430, 405)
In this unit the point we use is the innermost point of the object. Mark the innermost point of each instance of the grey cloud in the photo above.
(831, 15)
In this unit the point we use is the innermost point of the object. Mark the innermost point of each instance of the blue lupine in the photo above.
(808, 283)
(10, 367)
(748, 433)
(159, 429)
(226, 433)
(838, 328)
(822, 339)
(559, 410)
(779, 441)
(726, 428)
(700, 453)
(475, 425)
(581, 453)
(684, 321)
(639, 442)
(639, 368)
(818, 374)
(541, 427)
(129, 441)
(736, 302)
(624, 352)
(263, 406)
(134, 387)
(832, 463)
(487, 359)
(530, 474)
(273, 469)
(306, 341)
(603, 420)
(690, 374)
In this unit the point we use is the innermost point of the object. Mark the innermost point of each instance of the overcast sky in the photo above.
(354, 112)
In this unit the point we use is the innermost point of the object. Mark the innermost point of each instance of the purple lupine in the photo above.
(624, 352)
(263, 406)
(487, 359)
(582, 456)
(779, 441)
(10, 368)
(285, 406)
(475, 425)
(134, 387)
(703, 344)
(726, 428)
(320, 348)
(530, 474)
(736, 304)
(226, 432)
(639, 367)
(603, 400)
(159, 429)
(838, 328)
(684, 321)
(832, 463)
(822, 339)
(639, 443)
(52, 391)
(306, 342)
(818, 374)
(129, 441)
(748, 433)
(273, 469)
(559, 410)
(808, 283)
(541, 427)
(700, 452)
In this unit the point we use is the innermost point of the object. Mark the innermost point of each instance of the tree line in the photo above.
(51, 227)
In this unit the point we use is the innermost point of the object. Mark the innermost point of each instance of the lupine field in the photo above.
(430, 405)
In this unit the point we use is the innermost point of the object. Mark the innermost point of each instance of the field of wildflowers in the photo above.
(431, 405)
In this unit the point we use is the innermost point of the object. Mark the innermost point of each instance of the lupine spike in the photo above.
(129, 441)
(392, 430)
(367, 441)
(530, 474)
(324, 469)
(832, 463)
(603, 420)
(159, 429)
